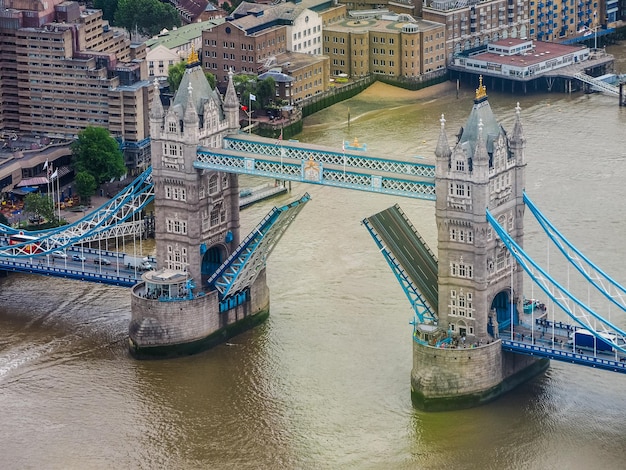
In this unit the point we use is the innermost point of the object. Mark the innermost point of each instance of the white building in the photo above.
(521, 58)
(160, 59)
(305, 33)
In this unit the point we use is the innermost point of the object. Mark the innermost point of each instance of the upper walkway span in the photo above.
(316, 164)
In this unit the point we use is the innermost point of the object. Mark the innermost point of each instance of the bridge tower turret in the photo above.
(197, 225)
(480, 287)
(196, 211)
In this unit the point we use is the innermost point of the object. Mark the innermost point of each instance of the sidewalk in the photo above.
(108, 191)
(73, 216)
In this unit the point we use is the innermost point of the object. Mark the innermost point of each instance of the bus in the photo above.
(585, 339)
(32, 247)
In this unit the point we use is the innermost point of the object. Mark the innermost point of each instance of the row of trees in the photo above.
(146, 17)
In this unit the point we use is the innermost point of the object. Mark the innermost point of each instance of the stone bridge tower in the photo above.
(479, 283)
(174, 311)
(197, 212)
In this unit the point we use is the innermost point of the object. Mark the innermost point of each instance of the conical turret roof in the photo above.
(481, 112)
(202, 90)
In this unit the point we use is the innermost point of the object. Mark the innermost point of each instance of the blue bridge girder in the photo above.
(116, 217)
(410, 259)
(319, 165)
(244, 264)
(597, 362)
(47, 269)
(582, 314)
(607, 286)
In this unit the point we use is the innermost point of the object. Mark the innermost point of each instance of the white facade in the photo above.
(305, 35)
(521, 64)
(160, 59)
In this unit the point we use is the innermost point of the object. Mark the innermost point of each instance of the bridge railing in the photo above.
(564, 355)
(47, 269)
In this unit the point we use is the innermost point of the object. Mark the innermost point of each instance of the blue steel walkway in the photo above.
(551, 340)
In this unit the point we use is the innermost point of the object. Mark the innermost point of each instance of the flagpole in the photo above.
(282, 151)
(59, 195)
(52, 184)
(343, 149)
(249, 113)
(48, 173)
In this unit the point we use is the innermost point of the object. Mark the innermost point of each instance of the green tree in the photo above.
(39, 206)
(97, 153)
(147, 17)
(175, 75)
(211, 79)
(108, 7)
(3, 219)
(85, 186)
(265, 91)
(243, 83)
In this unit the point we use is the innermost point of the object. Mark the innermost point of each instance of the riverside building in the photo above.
(384, 43)
(64, 69)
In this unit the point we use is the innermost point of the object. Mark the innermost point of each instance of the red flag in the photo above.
(244, 107)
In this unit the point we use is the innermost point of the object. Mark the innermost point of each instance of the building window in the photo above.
(213, 184)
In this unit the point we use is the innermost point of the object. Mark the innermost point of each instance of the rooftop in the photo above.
(183, 35)
(383, 23)
(540, 52)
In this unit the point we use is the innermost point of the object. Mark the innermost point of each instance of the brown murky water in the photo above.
(324, 384)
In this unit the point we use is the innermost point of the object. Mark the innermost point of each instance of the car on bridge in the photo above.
(59, 254)
(102, 261)
(80, 258)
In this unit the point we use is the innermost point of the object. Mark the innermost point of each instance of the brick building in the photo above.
(63, 69)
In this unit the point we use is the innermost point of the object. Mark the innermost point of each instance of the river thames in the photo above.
(325, 382)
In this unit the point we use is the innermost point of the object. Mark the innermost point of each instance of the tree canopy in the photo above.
(147, 17)
(85, 185)
(265, 91)
(40, 206)
(98, 154)
(108, 8)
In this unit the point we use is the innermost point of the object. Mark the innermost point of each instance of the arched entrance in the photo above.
(211, 260)
(501, 304)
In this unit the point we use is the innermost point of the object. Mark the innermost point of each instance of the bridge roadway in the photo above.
(87, 269)
(316, 164)
(551, 340)
(411, 252)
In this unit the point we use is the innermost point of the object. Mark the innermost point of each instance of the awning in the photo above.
(36, 181)
(24, 190)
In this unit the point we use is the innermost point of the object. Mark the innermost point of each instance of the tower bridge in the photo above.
(473, 339)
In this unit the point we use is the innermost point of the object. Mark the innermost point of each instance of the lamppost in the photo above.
(595, 30)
